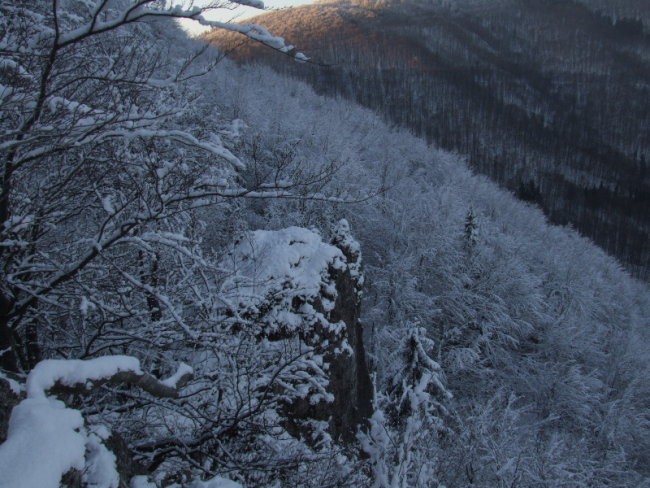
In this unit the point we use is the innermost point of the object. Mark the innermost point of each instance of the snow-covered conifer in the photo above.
(471, 233)
(410, 418)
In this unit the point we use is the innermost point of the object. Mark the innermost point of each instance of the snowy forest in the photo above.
(562, 86)
(215, 277)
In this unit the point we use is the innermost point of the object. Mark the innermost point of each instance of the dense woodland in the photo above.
(214, 277)
(563, 87)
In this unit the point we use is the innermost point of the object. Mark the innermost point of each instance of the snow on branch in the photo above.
(178, 136)
(253, 31)
(65, 375)
(249, 3)
(146, 8)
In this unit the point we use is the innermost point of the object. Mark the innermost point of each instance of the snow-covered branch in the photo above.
(144, 9)
(47, 439)
(56, 376)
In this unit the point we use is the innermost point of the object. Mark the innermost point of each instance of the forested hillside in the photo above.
(214, 277)
(551, 99)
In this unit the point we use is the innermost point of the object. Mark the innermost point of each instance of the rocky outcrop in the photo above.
(292, 285)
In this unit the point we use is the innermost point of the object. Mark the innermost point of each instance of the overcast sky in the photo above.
(240, 13)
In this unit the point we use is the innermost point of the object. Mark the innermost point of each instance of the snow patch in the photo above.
(101, 471)
(264, 261)
(141, 482)
(217, 482)
(107, 203)
(45, 440)
(183, 370)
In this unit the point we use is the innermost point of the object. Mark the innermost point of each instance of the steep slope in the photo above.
(550, 99)
(541, 336)
(204, 242)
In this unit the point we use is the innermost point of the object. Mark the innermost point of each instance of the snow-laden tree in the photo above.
(104, 162)
(112, 154)
(471, 233)
(410, 418)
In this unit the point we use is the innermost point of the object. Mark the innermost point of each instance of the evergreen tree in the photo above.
(418, 393)
(471, 230)
(403, 441)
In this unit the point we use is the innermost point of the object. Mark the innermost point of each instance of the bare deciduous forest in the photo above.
(217, 276)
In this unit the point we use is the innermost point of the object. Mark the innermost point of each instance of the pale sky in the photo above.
(237, 14)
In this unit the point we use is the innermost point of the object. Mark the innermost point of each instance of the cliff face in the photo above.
(350, 380)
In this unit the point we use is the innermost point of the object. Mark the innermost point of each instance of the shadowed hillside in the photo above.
(549, 98)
